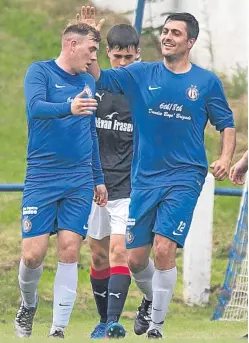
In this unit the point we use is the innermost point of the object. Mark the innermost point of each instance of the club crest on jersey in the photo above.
(26, 225)
(88, 91)
(129, 237)
(192, 93)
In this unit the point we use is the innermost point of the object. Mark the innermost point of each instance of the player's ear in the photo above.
(138, 54)
(73, 45)
(108, 50)
(191, 42)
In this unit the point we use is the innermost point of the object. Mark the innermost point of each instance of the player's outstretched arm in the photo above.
(238, 170)
(115, 81)
(220, 168)
(94, 70)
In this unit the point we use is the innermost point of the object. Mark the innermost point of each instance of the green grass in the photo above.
(29, 30)
(183, 323)
(175, 332)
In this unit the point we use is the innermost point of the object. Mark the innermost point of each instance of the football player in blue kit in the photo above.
(63, 167)
(171, 102)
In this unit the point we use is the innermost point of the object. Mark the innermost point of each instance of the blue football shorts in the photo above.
(52, 202)
(165, 211)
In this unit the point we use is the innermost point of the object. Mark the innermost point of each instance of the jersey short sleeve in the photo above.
(220, 115)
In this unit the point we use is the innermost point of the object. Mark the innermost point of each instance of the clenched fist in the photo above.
(220, 169)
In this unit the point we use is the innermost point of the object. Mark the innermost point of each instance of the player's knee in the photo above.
(136, 264)
(68, 253)
(164, 251)
(100, 258)
(100, 253)
(69, 244)
(34, 250)
(118, 254)
(32, 259)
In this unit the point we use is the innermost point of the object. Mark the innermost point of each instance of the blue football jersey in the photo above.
(169, 112)
(57, 140)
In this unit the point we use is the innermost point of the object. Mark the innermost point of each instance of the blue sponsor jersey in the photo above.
(169, 112)
(57, 140)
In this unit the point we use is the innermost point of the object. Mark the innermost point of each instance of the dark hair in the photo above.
(189, 19)
(122, 36)
(83, 30)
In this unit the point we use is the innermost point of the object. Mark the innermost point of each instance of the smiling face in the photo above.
(122, 57)
(174, 39)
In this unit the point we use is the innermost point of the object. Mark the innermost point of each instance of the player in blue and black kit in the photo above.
(171, 102)
(63, 166)
(110, 275)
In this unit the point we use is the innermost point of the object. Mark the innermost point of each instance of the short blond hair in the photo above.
(74, 26)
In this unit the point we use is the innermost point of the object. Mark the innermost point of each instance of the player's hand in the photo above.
(220, 169)
(237, 173)
(87, 16)
(86, 106)
(100, 195)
